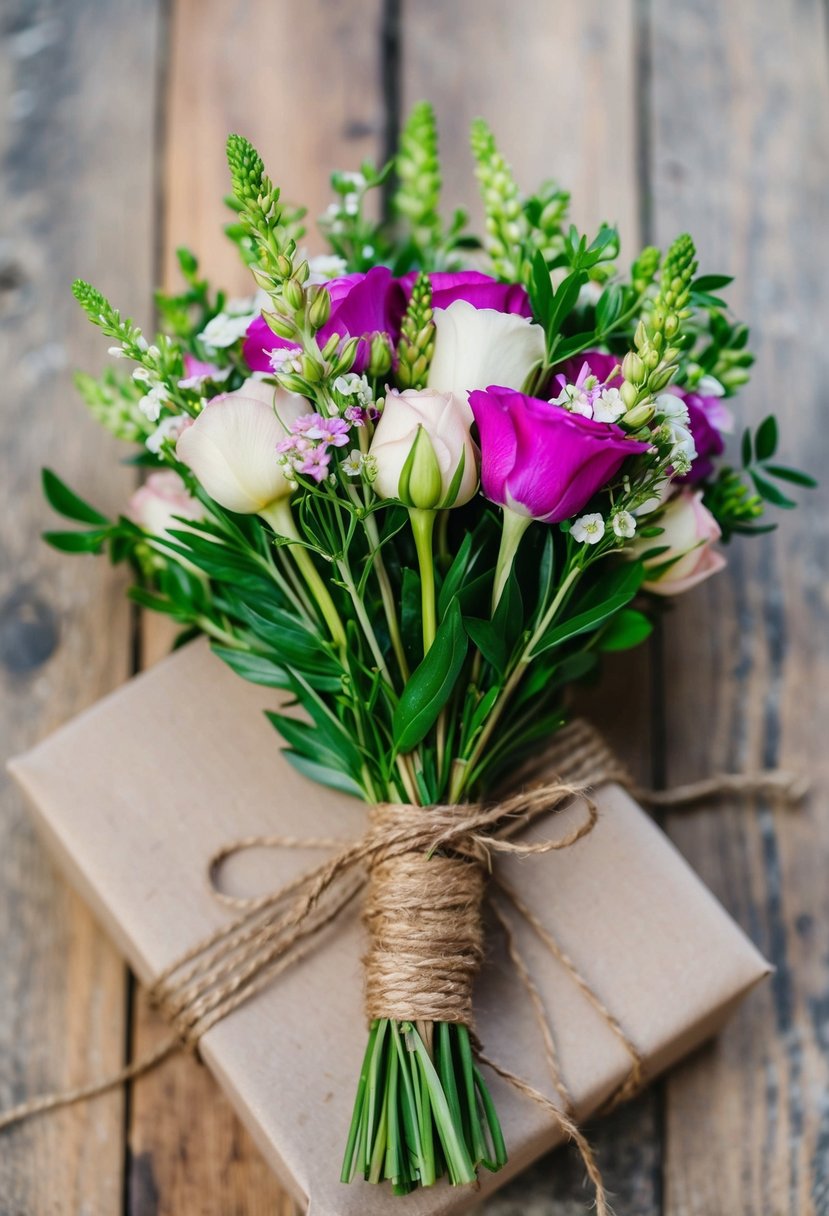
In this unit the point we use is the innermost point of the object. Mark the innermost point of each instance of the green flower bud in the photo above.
(420, 480)
(380, 358)
(311, 369)
(661, 378)
(293, 294)
(638, 417)
(302, 272)
(331, 346)
(320, 309)
(284, 266)
(629, 394)
(346, 357)
(282, 326)
(294, 383)
(633, 368)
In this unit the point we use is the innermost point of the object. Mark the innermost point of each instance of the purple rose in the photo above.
(359, 308)
(540, 460)
(479, 290)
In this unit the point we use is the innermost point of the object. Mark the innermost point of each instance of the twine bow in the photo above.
(273, 932)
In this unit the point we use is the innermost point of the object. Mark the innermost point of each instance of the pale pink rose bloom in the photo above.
(155, 505)
(690, 533)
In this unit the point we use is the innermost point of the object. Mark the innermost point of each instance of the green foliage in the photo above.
(417, 336)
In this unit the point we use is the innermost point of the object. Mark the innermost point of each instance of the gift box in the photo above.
(136, 794)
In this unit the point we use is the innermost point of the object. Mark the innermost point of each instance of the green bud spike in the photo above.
(505, 222)
(417, 198)
(417, 336)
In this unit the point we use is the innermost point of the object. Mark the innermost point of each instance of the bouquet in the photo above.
(421, 484)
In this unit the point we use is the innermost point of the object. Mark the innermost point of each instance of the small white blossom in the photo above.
(609, 406)
(575, 400)
(117, 352)
(141, 375)
(353, 463)
(709, 386)
(154, 352)
(140, 341)
(588, 529)
(673, 409)
(285, 359)
(169, 428)
(352, 385)
(624, 525)
(225, 329)
(351, 204)
(326, 266)
(150, 405)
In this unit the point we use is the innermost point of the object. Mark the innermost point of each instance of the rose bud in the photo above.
(476, 347)
(690, 532)
(156, 504)
(231, 446)
(423, 451)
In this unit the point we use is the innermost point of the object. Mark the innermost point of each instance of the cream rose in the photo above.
(479, 347)
(231, 446)
(423, 451)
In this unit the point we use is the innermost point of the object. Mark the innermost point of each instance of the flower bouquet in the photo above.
(420, 485)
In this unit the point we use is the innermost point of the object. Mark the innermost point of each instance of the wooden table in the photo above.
(664, 116)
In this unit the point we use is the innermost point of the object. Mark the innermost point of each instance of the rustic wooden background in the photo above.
(661, 114)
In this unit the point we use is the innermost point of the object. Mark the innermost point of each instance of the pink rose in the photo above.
(541, 461)
(155, 505)
(690, 534)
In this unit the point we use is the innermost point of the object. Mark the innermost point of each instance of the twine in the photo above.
(424, 871)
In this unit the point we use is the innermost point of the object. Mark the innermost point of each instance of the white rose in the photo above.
(425, 434)
(231, 446)
(478, 347)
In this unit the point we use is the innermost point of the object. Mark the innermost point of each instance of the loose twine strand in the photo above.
(424, 871)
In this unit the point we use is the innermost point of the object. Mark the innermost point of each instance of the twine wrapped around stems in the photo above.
(425, 870)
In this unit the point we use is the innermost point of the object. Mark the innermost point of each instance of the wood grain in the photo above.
(748, 1121)
(75, 198)
(188, 1152)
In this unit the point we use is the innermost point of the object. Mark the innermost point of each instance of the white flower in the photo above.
(285, 359)
(624, 524)
(609, 406)
(477, 347)
(171, 428)
(709, 386)
(352, 385)
(588, 529)
(117, 352)
(677, 420)
(574, 399)
(439, 423)
(141, 375)
(223, 330)
(231, 446)
(326, 266)
(673, 409)
(353, 178)
(353, 463)
(150, 405)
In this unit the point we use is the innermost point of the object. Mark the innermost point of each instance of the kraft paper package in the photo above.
(137, 793)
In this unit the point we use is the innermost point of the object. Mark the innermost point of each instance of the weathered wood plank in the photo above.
(188, 1151)
(77, 117)
(740, 148)
(557, 83)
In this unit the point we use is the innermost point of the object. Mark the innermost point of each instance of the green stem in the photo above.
(464, 767)
(423, 523)
(278, 515)
(387, 595)
(514, 527)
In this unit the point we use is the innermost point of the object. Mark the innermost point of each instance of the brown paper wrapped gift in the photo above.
(137, 793)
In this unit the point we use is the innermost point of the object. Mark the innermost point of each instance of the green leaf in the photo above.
(76, 542)
(795, 476)
(765, 441)
(322, 774)
(67, 503)
(612, 592)
(747, 452)
(609, 307)
(255, 668)
(627, 629)
(431, 684)
(711, 282)
(454, 576)
(564, 301)
(541, 290)
(769, 491)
